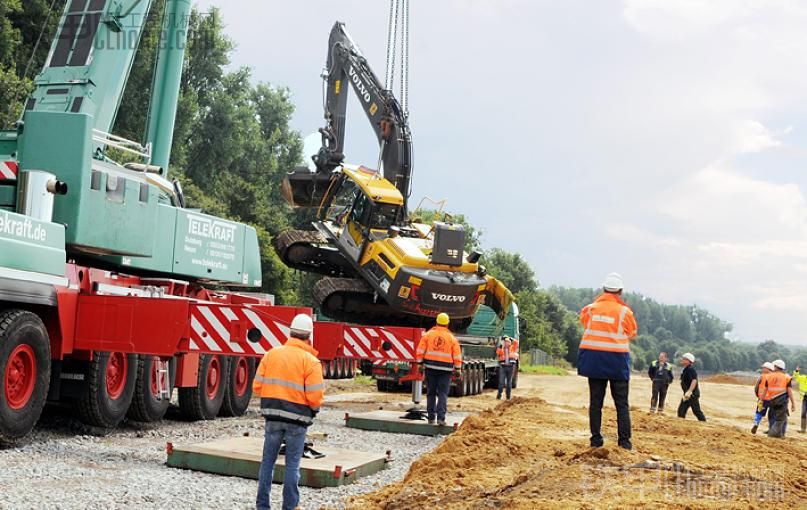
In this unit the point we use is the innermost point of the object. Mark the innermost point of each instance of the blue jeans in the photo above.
(438, 382)
(275, 434)
(761, 413)
(505, 379)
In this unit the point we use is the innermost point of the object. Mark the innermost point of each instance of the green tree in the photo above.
(473, 236)
(511, 269)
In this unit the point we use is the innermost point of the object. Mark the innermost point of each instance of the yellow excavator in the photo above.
(379, 267)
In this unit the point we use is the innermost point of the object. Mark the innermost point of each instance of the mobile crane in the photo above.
(379, 267)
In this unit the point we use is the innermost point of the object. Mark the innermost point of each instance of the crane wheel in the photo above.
(111, 378)
(147, 404)
(25, 369)
(203, 401)
(237, 394)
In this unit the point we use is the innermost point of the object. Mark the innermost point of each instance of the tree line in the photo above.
(233, 145)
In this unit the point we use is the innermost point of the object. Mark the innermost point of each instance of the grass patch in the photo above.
(542, 370)
(364, 380)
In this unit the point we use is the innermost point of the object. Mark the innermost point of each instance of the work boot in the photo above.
(431, 421)
(626, 445)
(442, 423)
(754, 428)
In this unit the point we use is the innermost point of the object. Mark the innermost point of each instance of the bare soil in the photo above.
(532, 452)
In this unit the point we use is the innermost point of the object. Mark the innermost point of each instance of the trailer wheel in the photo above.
(461, 384)
(203, 401)
(237, 394)
(111, 378)
(481, 378)
(477, 380)
(25, 369)
(147, 404)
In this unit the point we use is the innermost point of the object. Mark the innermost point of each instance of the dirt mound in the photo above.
(730, 379)
(527, 454)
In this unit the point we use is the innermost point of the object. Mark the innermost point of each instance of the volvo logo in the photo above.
(360, 87)
(447, 298)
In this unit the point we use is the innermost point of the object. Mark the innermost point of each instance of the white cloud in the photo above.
(723, 204)
(751, 136)
(633, 234)
(682, 19)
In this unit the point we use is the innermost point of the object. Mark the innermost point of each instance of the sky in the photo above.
(664, 140)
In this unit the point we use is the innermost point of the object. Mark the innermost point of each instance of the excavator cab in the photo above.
(359, 206)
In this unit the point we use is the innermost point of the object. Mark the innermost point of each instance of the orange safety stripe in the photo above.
(438, 349)
(605, 323)
(289, 382)
(774, 384)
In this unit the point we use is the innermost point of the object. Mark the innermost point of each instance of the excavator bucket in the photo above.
(304, 188)
(498, 296)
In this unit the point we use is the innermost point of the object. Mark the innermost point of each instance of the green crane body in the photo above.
(122, 217)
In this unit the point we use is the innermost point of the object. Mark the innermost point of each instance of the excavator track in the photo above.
(352, 300)
(309, 251)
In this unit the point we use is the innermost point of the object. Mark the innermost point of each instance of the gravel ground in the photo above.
(59, 467)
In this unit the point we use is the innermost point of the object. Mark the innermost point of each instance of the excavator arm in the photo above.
(346, 67)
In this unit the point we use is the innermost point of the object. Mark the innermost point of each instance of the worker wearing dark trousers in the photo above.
(439, 351)
(776, 388)
(691, 388)
(604, 357)
(507, 352)
(289, 383)
(660, 372)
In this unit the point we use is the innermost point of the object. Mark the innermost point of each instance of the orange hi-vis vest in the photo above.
(773, 385)
(508, 355)
(289, 382)
(609, 325)
(439, 349)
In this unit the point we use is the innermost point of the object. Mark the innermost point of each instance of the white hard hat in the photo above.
(302, 325)
(689, 356)
(768, 365)
(613, 282)
(779, 364)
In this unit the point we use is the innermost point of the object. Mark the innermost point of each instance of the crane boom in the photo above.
(90, 60)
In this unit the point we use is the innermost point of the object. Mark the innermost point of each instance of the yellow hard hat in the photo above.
(442, 319)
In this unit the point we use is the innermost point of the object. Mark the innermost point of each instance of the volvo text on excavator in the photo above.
(379, 267)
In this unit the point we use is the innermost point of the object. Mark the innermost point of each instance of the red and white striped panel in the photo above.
(211, 329)
(8, 170)
(359, 342)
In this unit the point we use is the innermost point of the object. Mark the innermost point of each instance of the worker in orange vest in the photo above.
(289, 383)
(775, 388)
(604, 357)
(440, 353)
(507, 352)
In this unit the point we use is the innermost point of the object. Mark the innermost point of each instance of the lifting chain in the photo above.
(398, 34)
